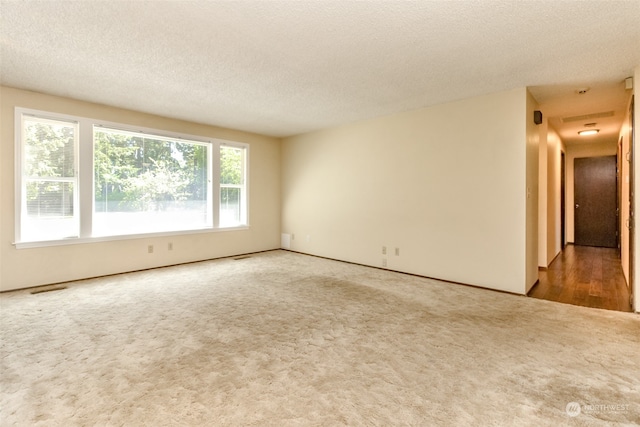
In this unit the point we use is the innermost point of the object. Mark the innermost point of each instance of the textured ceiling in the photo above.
(287, 67)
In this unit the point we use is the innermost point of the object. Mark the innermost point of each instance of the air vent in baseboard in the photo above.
(48, 289)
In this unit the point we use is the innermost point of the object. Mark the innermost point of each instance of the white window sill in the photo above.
(84, 240)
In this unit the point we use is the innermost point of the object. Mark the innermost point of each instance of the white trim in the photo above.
(215, 184)
(86, 240)
(20, 116)
(149, 132)
(244, 200)
(245, 214)
(86, 176)
(17, 168)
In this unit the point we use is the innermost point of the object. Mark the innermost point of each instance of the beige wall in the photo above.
(573, 152)
(446, 185)
(624, 202)
(549, 232)
(532, 192)
(555, 148)
(542, 194)
(31, 267)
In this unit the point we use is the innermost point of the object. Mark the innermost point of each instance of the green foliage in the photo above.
(156, 186)
(49, 150)
(231, 173)
(231, 165)
(146, 173)
(131, 172)
(114, 164)
(49, 156)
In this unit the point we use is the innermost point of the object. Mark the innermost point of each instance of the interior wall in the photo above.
(554, 182)
(444, 185)
(550, 233)
(575, 151)
(38, 266)
(624, 167)
(532, 192)
(542, 194)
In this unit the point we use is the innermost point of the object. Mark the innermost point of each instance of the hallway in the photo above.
(585, 276)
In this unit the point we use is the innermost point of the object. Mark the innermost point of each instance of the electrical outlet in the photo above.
(397, 251)
(384, 250)
(384, 262)
(150, 249)
(170, 246)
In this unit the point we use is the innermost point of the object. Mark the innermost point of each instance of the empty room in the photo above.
(319, 213)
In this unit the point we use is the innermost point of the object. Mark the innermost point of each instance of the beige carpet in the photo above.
(286, 339)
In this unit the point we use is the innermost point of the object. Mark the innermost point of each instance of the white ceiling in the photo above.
(286, 67)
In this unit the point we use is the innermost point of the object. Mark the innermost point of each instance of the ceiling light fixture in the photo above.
(588, 132)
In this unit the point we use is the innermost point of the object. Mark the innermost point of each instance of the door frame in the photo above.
(563, 201)
(631, 225)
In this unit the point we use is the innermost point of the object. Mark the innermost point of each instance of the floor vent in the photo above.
(49, 289)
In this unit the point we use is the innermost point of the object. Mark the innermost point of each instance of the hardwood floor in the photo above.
(585, 276)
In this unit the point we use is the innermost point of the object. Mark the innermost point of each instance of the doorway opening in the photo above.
(606, 109)
(589, 271)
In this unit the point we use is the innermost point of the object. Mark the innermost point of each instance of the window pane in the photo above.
(232, 188)
(231, 165)
(49, 148)
(49, 180)
(148, 184)
(230, 207)
(49, 199)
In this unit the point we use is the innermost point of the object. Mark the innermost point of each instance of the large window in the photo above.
(148, 183)
(128, 182)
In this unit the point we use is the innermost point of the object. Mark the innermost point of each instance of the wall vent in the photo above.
(588, 117)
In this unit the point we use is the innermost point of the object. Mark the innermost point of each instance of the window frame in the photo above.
(21, 180)
(85, 176)
(244, 199)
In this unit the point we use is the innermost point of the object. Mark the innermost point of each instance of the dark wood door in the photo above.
(595, 201)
